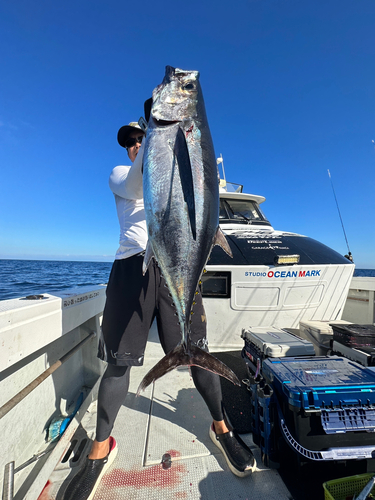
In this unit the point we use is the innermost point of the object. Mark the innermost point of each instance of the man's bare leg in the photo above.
(99, 449)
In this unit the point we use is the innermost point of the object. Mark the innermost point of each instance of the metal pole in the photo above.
(29, 388)
(8, 485)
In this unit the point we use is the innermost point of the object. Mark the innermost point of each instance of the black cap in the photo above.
(124, 132)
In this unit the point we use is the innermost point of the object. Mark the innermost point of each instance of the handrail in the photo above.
(34, 384)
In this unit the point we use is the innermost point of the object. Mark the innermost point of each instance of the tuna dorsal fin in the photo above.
(222, 241)
(184, 166)
(147, 258)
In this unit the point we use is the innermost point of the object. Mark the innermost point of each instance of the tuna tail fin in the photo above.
(221, 240)
(189, 355)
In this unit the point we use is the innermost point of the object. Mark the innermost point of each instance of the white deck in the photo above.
(170, 417)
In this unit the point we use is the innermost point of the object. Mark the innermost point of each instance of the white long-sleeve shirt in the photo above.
(126, 183)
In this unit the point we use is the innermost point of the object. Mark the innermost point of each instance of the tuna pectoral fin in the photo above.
(147, 258)
(181, 153)
(221, 240)
(191, 356)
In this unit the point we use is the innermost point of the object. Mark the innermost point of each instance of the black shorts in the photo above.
(133, 301)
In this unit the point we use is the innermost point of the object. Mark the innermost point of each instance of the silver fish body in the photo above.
(181, 196)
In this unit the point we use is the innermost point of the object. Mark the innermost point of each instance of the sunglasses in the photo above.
(132, 141)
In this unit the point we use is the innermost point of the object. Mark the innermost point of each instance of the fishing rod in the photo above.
(349, 256)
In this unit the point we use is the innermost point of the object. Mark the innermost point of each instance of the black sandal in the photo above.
(238, 455)
(85, 483)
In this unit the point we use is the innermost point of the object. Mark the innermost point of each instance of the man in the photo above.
(133, 301)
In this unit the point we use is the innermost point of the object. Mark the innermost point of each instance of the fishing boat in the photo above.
(50, 372)
(275, 277)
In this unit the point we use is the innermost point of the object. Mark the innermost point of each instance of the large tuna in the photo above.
(181, 196)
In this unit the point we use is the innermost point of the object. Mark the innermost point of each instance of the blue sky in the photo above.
(289, 91)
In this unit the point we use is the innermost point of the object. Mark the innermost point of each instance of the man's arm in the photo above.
(127, 182)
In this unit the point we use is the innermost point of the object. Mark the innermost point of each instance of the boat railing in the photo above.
(230, 187)
(360, 302)
(47, 365)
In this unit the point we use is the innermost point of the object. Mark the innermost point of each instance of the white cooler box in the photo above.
(320, 333)
(272, 342)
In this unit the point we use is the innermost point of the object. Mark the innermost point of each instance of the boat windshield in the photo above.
(241, 211)
(231, 187)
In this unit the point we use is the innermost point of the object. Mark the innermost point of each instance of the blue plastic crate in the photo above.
(326, 406)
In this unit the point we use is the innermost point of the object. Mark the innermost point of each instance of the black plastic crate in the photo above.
(354, 335)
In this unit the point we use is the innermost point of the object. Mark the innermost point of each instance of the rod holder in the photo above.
(8, 485)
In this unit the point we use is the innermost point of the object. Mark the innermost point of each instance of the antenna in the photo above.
(349, 256)
(221, 160)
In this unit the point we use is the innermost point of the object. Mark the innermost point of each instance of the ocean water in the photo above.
(19, 278)
(370, 273)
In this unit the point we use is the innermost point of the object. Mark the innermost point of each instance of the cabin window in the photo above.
(216, 284)
(241, 211)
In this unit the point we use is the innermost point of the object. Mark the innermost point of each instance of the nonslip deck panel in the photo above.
(179, 419)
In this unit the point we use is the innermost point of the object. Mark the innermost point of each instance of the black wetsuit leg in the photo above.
(112, 392)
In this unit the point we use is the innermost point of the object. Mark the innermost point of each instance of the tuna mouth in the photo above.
(165, 123)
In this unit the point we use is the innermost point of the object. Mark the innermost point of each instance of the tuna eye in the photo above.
(188, 86)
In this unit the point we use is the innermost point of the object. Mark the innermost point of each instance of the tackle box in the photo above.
(320, 333)
(362, 355)
(324, 407)
(264, 342)
(354, 335)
